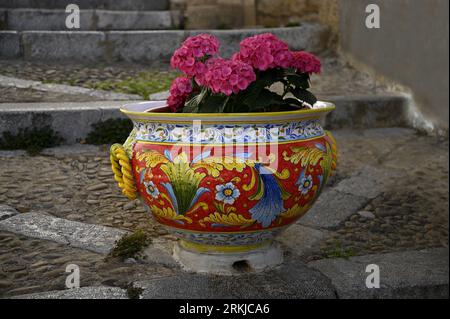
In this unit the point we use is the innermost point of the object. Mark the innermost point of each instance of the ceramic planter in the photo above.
(225, 182)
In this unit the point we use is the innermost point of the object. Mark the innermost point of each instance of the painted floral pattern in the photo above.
(227, 193)
(242, 133)
(233, 193)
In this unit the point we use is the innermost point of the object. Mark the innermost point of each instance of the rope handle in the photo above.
(123, 172)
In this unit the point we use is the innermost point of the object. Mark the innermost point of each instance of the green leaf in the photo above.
(265, 99)
(292, 101)
(212, 103)
(304, 96)
(299, 80)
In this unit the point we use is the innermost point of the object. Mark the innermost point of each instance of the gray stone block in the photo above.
(369, 182)
(301, 239)
(291, 280)
(332, 208)
(367, 112)
(89, 4)
(309, 36)
(44, 19)
(413, 274)
(73, 121)
(10, 44)
(133, 20)
(154, 47)
(7, 212)
(96, 238)
(79, 293)
(64, 45)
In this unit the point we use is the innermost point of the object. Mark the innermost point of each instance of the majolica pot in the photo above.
(225, 182)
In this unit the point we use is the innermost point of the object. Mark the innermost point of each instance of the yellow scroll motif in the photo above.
(168, 213)
(231, 219)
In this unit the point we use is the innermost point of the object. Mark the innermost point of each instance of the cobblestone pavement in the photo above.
(413, 213)
(332, 81)
(76, 183)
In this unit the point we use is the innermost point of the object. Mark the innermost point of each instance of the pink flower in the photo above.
(194, 48)
(180, 88)
(202, 44)
(264, 51)
(305, 62)
(228, 76)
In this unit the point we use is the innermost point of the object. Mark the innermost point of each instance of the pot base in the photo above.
(230, 263)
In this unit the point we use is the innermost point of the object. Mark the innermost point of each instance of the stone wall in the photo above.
(409, 48)
(226, 14)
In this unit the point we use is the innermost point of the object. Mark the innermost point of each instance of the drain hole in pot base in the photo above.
(242, 266)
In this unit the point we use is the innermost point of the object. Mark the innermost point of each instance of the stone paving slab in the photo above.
(350, 195)
(301, 239)
(79, 293)
(96, 238)
(290, 280)
(411, 274)
(7, 211)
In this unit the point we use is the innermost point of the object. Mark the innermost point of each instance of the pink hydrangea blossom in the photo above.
(202, 44)
(228, 76)
(305, 62)
(264, 51)
(193, 49)
(180, 88)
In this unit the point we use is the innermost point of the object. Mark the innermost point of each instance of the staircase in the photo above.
(143, 31)
(50, 15)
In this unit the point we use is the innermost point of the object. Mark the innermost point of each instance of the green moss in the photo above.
(144, 84)
(130, 246)
(337, 251)
(33, 140)
(109, 132)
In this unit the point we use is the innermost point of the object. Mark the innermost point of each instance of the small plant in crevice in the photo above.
(33, 140)
(130, 246)
(337, 251)
(109, 131)
(133, 292)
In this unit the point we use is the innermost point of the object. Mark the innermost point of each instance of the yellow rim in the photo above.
(329, 108)
(202, 248)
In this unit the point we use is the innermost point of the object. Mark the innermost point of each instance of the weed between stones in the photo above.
(33, 140)
(109, 131)
(130, 246)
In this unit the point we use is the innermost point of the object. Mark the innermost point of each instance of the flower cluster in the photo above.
(227, 76)
(179, 90)
(188, 58)
(264, 51)
(305, 62)
(261, 56)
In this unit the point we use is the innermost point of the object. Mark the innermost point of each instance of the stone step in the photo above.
(89, 4)
(96, 238)
(73, 120)
(51, 20)
(410, 274)
(99, 292)
(152, 47)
